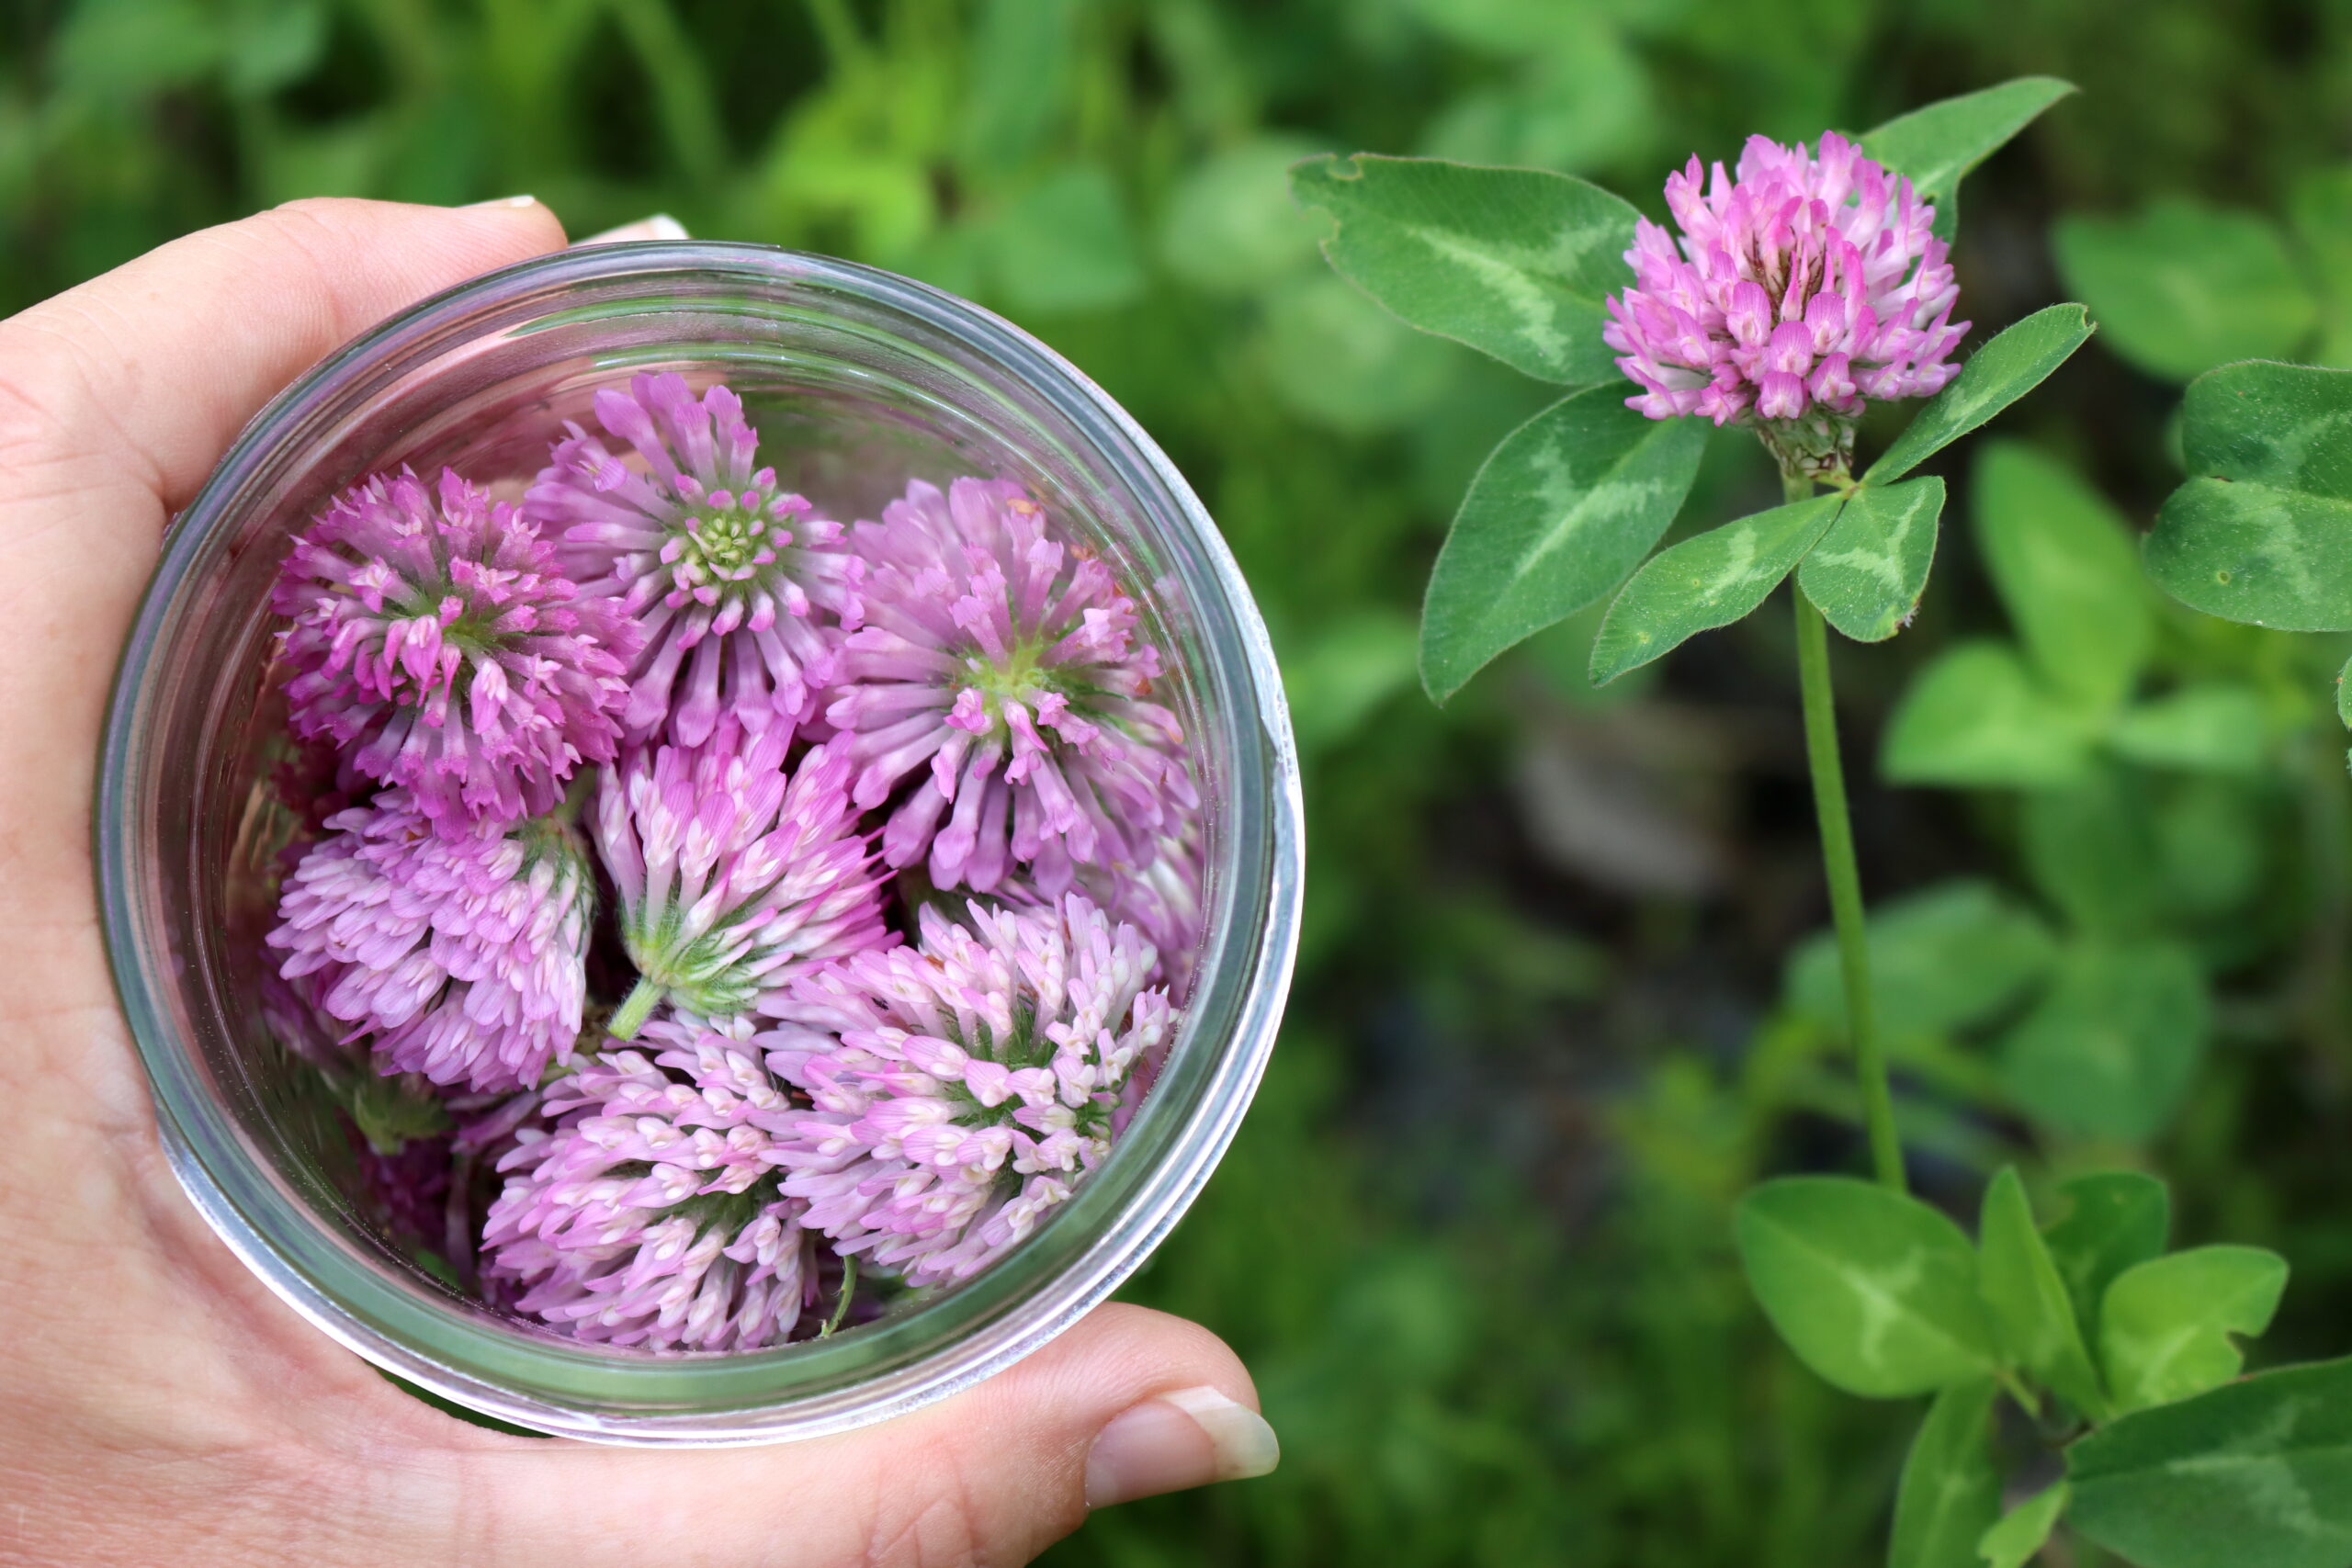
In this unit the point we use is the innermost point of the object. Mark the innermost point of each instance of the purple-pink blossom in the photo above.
(646, 1210)
(1008, 669)
(1162, 899)
(736, 583)
(961, 1091)
(1798, 292)
(715, 1114)
(289, 1012)
(458, 957)
(436, 642)
(731, 874)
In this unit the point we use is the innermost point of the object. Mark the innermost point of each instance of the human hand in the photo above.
(159, 1403)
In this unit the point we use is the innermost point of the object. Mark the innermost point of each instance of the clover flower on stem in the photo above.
(737, 586)
(1804, 290)
(1010, 666)
(435, 637)
(647, 1209)
(963, 1090)
(459, 958)
(731, 874)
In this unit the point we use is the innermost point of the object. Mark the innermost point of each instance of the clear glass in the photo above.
(857, 379)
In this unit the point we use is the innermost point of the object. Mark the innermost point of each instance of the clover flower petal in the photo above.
(962, 1089)
(1007, 668)
(731, 874)
(644, 1208)
(1796, 294)
(433, 637)
(459, 958)
(1162, 898)
(735, 583)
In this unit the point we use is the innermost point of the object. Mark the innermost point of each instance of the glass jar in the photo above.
(857, 380)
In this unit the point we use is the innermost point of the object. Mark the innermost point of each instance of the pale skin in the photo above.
(157, 1405)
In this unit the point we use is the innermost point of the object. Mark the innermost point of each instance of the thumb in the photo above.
(1127, 1404)
(150, 370)
(116, 400)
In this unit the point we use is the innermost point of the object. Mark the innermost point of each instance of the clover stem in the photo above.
(2331, 840)
(576, 795)
(634, 1010)
(1837, 861)
(841, 1303)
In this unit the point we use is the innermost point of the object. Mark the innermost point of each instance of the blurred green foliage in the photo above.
(1475, 1238)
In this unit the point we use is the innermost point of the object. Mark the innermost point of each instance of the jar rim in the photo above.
(708, 1399)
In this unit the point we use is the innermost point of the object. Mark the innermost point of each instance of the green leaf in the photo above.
(1995, 377)
(1976, 717)
(2164, 1326)
(271, 45)
(1866, 575)
(1708, 580)
(2183, 286)
(2033, 1317)
(2344, 695)
(1500, 26)
(1340, 360)
(346, 159)
(2066, 567)
(1567, 506)
(2319, 210)
(1065, 246)
(2256, 1474)
(1942, 960)
(1935, 146)
(2025, 1529)
(1513, 262)
(1950, 1492)
(2213, 726)
(1577, 95)
(112, 51)
(1230, 227)
(2214, 837)
(390, 1111)
(1345, 673)
(1020, 79)
(1939, 143)
(2113, 1047)
(2092, 851)
(2117, 1219)
(2263, 531)
(1874, 1291)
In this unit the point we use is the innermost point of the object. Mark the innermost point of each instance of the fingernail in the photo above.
(1171, 1442)
(661, 226)
(508, 201)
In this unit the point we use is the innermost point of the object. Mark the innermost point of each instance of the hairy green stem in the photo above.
(841, 1303)
(2027, 1400)
(1844, 872)
(635, 1008)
